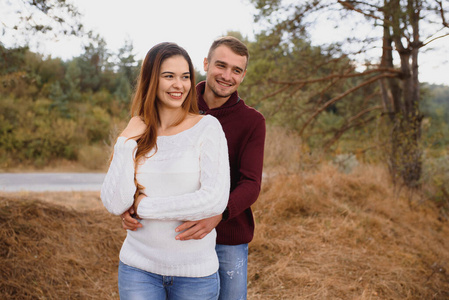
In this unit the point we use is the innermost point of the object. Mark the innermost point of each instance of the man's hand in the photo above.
(128, 222)
(197, 229)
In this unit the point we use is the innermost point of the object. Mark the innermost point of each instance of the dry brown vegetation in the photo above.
(50, 251)
(320, 234)
(328, 235)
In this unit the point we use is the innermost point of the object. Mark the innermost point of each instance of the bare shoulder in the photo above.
(194, 118)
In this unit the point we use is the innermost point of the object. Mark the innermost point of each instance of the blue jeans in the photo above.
(136, 284)
(233, 271)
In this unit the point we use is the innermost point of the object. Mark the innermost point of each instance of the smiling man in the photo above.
(225, 71)
(244, 128)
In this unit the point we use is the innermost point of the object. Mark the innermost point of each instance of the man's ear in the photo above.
(205, 64)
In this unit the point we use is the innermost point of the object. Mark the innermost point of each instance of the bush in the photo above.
(94, 156)
(34, 133)
(435, 179)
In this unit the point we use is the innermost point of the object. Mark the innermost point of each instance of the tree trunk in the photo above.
(401, 98)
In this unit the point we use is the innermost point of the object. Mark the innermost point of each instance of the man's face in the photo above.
(225, 71)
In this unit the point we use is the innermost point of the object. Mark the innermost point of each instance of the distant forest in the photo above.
(53, 110)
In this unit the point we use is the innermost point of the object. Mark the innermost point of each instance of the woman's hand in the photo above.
(128, 222)
(135, 128)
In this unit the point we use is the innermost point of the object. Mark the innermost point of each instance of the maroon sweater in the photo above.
(244, 128)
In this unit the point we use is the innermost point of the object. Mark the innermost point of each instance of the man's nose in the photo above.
(227, 74)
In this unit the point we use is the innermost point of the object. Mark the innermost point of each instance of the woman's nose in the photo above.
(177, 83)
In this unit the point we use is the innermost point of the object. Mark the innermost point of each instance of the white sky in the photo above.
(193, 25)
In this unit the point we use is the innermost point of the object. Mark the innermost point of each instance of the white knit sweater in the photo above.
(187, 179)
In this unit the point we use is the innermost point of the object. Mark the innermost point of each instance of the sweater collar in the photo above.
(200, 87)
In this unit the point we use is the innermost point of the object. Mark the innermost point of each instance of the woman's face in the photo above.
(174, 82)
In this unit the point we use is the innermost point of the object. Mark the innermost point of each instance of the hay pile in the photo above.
(49, 251)
(319, 235)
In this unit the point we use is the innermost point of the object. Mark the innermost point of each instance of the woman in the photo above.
(171, 165)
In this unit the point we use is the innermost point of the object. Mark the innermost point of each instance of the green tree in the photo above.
(12, 69)
(43, 71)
(12, 60)
(126, 62)
(18, 77)
(123, 89)
(72, 81)
(29, 74)
(127, 70)
(93, 63)
(59, 98)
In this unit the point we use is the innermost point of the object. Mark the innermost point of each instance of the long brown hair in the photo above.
(144, 102)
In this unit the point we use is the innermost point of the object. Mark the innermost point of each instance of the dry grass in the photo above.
(319, 235)
(328, 235)
(49, 251)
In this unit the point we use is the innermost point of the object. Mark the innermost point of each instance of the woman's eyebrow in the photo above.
(170, 72)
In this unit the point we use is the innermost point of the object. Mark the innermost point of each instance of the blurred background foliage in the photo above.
(54, 111)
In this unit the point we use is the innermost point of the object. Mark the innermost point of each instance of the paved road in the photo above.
(14, 182)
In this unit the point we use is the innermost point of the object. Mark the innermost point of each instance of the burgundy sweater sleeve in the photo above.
(251, 164)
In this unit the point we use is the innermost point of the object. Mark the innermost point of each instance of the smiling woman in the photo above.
(174, 83)
(169, 165)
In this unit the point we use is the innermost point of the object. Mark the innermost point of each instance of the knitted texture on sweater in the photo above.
(244, 128)
(186, 179)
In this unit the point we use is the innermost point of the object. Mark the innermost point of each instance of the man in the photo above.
(244, 128)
